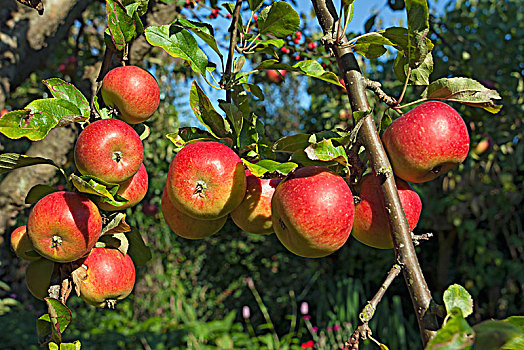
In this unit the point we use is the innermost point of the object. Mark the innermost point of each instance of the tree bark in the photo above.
(404, 250)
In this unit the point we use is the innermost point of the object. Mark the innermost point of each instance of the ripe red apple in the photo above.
(3, 111)
(206, 180)
(185, 226)
(254, 213)
(312, 212)
(110, 150)
(133, 189)
(110, 277)
(133, 91)
(274, 77)
(21, 244)
(427, 141)
(371, 224)
(38, 276)
(64, 226)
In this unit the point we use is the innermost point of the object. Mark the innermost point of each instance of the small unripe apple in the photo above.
(206, 180)
(38, 276)
(253, 215)
(485, 144)
(22, 245)
(371, 224)
(133, 189)
(64, 226)
(133, 91)
(110, 150)
(312, 212)
(426, 142)
(110, 277)
(274, 77)
(184, 225)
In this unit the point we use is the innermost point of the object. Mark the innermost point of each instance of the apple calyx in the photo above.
(117, 156)
(56, 241)
(200, 188)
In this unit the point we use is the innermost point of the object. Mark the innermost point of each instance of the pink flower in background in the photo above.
(336, 327)
(246, 313)
(304, 308)
(314, 329)
(306, 317)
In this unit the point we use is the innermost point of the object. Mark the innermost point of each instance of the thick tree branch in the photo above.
(368, 135)
(232, 44)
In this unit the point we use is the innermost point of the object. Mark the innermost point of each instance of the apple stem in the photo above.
(401, 234)
(56, 241)
(226, 77)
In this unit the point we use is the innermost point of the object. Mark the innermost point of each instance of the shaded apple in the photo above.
(133, 189)
(371, 224)
(110, 277)
(426, 142)
(275, 77)
(254, 213)
(22, 245)
(185, 226)
(110, 150)
(64, 226)
(133, 91)
(312, 212)
(38, 276)
(206, 180)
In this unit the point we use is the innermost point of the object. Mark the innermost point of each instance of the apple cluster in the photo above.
(64, 227)
(311, 210)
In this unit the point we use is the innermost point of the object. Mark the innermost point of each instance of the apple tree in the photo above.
(312, 189)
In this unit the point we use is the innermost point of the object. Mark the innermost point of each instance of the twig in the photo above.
(401, 234)
(422, 237)
(232, 44)
(376, 87)
(363, 331)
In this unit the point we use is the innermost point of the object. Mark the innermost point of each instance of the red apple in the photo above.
(185, 226)
(38, 276)
(133, 189)
(427, 141)
(22, 245)
(312, 212)
(206, 180)
(110, 277)
(254, 213)
(133, 91)
(64, 226)
(110, 150)
(484, 145)
(3, 111)
(274, 77)
(371, 224)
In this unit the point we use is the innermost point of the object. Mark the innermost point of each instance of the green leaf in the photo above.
(279, 19)
(43, 327)
(92, 186)
(493, 334)
(372, 45)
(255, 90)
(178, 42)
(115, 240)
(308, 67)
(186, 135)
(38, 192)
(516, 343)
(254, 5)
(418, 15)
(463, 90)
(325, 151)
(59, 316)
(234, 115)
(203, 30)
(122, 27)
(348, 7)
(249, 136)
(419, 75)
(140, 253)
(116, 224)
(140, 4)
(458, 296)
(10, 161)
(65, 346)
(292, 143)
(206, 113)
(67, 91)
(455, 334)
(266, 166)
(38, 118)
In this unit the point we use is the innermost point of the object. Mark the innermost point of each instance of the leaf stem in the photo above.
(405, 86)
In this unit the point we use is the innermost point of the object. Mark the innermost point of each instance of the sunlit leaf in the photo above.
(278, 19)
